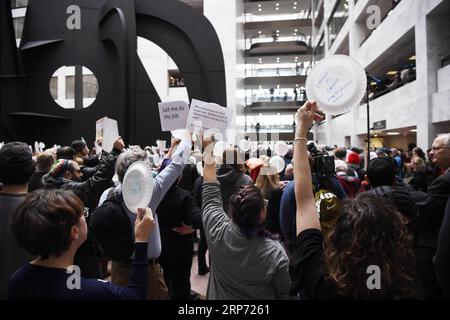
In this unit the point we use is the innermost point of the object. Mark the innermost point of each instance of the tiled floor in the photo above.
(198, 283)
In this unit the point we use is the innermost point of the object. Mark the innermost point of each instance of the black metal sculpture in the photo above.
(106, 43)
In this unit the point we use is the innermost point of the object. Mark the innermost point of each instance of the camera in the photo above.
(323, 164)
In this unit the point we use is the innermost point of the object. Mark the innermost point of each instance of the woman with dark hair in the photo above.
(246, 261)
(51, 225)
(367, 254)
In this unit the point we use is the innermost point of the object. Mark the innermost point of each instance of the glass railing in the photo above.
(278, 72)
(386, 87)
(274, 39)
(277, 97)
(304, 14)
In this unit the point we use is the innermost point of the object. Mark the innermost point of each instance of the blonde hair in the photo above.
(267, 182)
(418, 163)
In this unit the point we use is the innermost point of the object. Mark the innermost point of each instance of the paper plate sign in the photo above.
(278, 163)
(337, 83)
(137, 186)
(281, 148)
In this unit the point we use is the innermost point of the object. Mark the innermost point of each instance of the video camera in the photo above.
(323, 164)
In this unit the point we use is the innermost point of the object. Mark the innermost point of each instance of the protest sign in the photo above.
(107, 131)
(173, 115)
(207, 116)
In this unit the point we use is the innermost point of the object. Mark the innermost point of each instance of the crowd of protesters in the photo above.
(332, 225)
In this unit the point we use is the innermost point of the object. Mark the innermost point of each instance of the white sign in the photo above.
(173, 115)
(107, 131)
(337, 83)
(137, 186)
(207, 116)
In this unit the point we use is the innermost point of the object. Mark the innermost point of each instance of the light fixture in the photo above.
(295, 8)
(413, 58)
(259, 5)
(413, 130)
(393, 133)
(259, 31)
(277, 8)
(376, 136)
(391, 73)
(278, 86)
(295, 3)
(295, 30)
(259, 9)
(277, 4)
(260, 87)
(296, 85)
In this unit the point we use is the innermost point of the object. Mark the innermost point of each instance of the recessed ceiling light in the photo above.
(277, 8)
(295, 8)
(296, 85)
(295, 3)
(259, 9)
(414, 130)
(277, 4)
(278, 31)
(259, 5)
(393, 133)
(260, 87)
(295, 30)
(259, 32)
(278, 86)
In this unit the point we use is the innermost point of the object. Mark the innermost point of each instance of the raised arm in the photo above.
(214, 217)
(167, 177)
(307, 217)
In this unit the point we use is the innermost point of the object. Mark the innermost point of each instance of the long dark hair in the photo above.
(368, 232)
(245, 208)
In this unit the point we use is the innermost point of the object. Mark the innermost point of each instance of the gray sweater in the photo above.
(241, 268)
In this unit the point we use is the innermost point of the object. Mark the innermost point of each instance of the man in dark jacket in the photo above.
(442, 258)
(16, 168)
(179, 216)
(432, 209)
(66, 174)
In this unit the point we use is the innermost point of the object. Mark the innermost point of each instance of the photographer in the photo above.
(325, 185)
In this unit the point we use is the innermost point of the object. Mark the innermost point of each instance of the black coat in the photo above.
(442, 258)
(178, 207)
(432, 208)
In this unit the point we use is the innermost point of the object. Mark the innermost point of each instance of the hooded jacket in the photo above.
(231, 179)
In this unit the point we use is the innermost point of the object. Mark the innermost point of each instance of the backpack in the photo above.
(112, 228)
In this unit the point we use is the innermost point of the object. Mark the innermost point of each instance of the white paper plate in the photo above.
(244, 145)
(137, 186)
(281, 148)
(278, 163)
(337, 83)
(182, 134)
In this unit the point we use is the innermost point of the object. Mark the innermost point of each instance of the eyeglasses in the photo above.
(266, 203)
(438, 148)
(86, 212)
